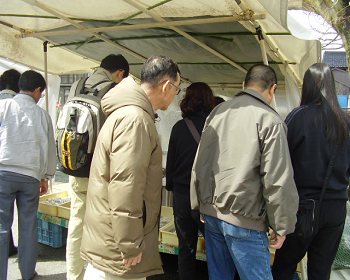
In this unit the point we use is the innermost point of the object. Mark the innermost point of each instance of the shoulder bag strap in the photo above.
(193, 129)
(328, 174)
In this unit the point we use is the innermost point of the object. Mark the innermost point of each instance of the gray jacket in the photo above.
(101, 77)
(242, 172)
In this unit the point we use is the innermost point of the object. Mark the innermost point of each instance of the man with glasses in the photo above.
(178, 89)
(120, 236)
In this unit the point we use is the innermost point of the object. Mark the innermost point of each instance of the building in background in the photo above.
(66, 82)
(335, 59)
(338, 63)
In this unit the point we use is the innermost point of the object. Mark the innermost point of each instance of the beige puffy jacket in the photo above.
(124, 192)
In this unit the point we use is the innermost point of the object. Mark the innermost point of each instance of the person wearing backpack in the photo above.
(121, 225)
(85, 94)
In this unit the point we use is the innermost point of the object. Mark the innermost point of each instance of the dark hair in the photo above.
(261, 75)
(199, 98)
(319, 88)
(9, 80)
(157, 68)
(30, 80)
(218, 100)
(114, 62)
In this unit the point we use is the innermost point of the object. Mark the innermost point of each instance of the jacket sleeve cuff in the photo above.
(132, 252)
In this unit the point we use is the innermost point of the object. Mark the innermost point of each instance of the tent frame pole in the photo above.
(79, 27)
(270, 42)
(184, 34)
(47, 92)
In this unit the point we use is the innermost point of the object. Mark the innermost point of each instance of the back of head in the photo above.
(318, 83)
(319, 88)
(9, 80)
(260, 75)
(114, 62)
(199, 98)
(30, 80)
(158, 68)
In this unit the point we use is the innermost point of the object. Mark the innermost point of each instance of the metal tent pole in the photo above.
(47, 93)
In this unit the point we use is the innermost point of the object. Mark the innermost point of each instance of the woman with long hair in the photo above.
(318, 131)
(195, 107)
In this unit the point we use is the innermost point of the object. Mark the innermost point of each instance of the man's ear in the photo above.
(165, 86)
(272, 90)
(38, 90)
(117, 76)
(121, 74)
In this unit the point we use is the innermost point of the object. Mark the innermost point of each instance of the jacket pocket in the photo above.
(206, 194)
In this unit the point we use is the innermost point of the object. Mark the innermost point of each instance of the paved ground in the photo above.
(51, 262)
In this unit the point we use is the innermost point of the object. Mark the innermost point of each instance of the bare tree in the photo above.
(337, 14)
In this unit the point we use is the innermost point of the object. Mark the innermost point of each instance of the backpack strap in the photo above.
(92, 90)
(104, 90)
(80, 86)
(193, 129)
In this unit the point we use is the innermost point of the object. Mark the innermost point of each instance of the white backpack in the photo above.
(78, 125)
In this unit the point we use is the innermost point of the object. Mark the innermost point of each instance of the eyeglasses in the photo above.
(178, 89)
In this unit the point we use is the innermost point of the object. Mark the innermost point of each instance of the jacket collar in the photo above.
(8, 91)
(127, 92)
(24, 96)
(255, 95)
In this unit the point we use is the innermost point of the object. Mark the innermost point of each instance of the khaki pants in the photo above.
(96, 274)
(77, 192)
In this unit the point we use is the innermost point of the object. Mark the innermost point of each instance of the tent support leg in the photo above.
(47, 94)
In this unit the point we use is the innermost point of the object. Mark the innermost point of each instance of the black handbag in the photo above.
(306, 216)
(309, 209)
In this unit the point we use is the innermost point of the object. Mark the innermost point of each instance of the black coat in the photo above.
(181, 153)
(311, 152)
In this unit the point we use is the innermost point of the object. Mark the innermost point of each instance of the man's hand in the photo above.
(276, 241)
(43, 187)
(132, 261)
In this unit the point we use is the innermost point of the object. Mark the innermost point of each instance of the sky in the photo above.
(308, 25)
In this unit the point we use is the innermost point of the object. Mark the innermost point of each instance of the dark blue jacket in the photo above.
(311, 152)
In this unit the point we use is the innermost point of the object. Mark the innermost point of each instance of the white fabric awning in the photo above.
(209, 45)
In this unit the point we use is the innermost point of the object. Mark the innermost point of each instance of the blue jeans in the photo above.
(231, 248)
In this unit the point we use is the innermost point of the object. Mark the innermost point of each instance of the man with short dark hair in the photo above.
(113, 68)
(120, 236)
(242, 181)
(8, 89)
(27, 161)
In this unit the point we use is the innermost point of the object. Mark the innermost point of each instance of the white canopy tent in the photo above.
(212, 41)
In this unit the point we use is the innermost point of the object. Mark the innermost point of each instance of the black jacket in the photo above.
(311, 152)
(181, 152)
